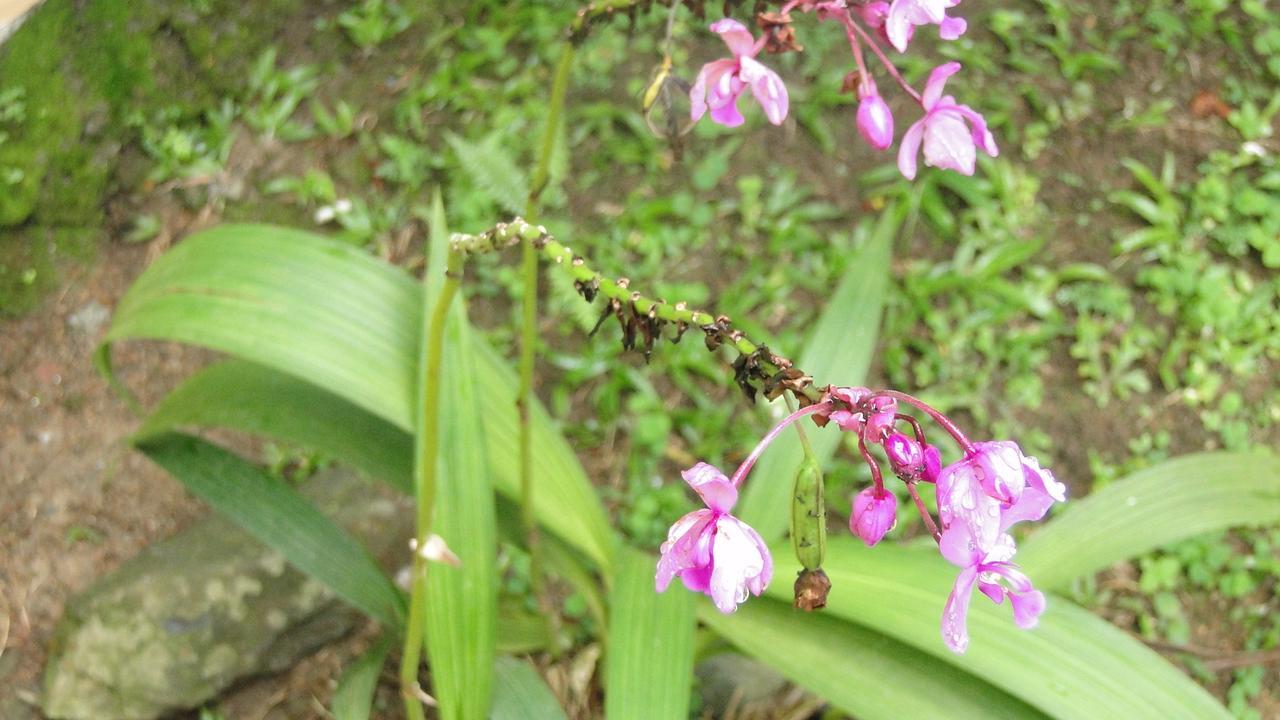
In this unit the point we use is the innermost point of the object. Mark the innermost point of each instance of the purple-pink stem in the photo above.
(865, 77)
(876, 476)
(745, 467)
(915, 427)
(942, 420)
(875, 48)
(924, 513)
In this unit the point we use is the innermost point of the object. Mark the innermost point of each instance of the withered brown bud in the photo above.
(850, 83)
(812, 587)
(780, 36)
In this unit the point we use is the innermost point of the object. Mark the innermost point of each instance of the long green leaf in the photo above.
(353, 698)
(256, 399)
(329, 314)
(277, 515)
(862, 672)
(1072, 665)
(649, 661)
(838, 351)
(314, 308)
(519, 693)
(1165, 503)
(462, 602)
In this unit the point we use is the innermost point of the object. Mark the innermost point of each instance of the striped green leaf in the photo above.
(326, 313)
(353, 698)
(1072, 665)
(276, 514)
(256, 399)
(862, 672)
(462, 602)
(1162, 504)
(649, 659)
(519, 693)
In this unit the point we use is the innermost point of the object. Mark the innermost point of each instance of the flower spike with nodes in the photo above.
(950, 133)
(979, 497)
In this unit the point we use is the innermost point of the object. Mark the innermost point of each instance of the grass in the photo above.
(1114, 268)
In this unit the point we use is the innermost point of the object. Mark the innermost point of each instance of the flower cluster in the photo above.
(950, 133)
(979, 497)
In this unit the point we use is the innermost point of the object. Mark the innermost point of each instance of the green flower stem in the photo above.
(529, 340)
(425, 467)
(718, 328)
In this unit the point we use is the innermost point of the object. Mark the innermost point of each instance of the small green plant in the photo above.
(373, 22)
(273, 95)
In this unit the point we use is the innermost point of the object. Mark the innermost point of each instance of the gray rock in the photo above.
(193, 614)
(730, 683)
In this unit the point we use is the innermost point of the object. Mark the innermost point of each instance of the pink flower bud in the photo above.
(905, 456)
(875, 511)
(875, 121)
(932, 464)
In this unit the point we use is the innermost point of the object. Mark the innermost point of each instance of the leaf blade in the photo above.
(228, 287)
(817, 651)
(1173, 500)
(1072, 665)
(281, 518)
(649, 661)
(353, 698)
(462, 602)
(519, 693)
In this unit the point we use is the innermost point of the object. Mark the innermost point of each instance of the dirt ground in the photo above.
(76, 502)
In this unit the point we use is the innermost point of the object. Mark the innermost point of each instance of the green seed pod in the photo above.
(809, 516)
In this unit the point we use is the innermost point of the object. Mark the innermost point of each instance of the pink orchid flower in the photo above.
(713, 552)
(903, 16)
(948, 143)
(986, 567)
(721, 82)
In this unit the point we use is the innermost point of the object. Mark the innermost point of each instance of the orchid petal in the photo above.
(952, 28)
(705, 90)
(716, 490)
(768, 89)
(947, 143)
(736, 557)
(937, 81)
(955, 615)
(909, 148)
(982, 136)
(679, 552)
(728, 116)
(1027, 608)
(736, 35)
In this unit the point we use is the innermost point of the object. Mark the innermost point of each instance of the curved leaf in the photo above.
(324, 312)
(255, 399)
(649, 659)
(281, 518)
(519, 693)
(353, 698)
(1164, 503)
(1072, 665)
(462, 602)
(864, 673)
